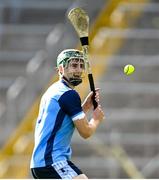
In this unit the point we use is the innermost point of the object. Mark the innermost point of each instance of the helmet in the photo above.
(68, 54)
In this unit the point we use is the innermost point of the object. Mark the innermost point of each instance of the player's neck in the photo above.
(67, 82)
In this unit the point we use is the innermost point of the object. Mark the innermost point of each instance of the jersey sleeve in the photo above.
(70, 102)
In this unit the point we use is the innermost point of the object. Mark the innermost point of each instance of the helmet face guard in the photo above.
(68, 56)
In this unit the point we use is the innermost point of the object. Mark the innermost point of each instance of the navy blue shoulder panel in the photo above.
(70, 102)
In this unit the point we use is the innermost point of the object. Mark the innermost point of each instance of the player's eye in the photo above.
(82, 66)
(74, 65)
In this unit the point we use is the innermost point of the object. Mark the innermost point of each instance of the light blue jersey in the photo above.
(59, 107)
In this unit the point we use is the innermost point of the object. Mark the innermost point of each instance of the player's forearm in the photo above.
(86, 128)
(92, 126)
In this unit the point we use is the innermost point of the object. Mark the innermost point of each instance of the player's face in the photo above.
(75, 68)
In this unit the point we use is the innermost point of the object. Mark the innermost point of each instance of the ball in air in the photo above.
(129, 69)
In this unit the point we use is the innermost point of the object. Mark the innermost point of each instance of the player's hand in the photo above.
(98, 114)
(88, 104)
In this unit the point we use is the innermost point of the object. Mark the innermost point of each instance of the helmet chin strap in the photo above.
(73, 81)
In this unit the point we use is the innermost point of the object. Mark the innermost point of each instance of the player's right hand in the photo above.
(98, 113)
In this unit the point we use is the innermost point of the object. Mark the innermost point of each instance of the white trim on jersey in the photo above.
(80, 115)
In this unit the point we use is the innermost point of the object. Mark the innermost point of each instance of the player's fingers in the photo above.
(97, 89)
(97, 94)
(97, 99)
(99, 106)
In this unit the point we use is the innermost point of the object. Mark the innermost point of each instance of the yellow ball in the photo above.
(129, 69)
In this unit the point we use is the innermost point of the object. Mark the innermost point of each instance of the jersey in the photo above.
(60, 106)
